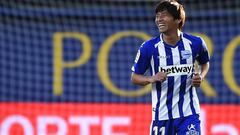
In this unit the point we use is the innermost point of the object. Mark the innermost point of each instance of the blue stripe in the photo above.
(158, 86)
(170, 96)
(169, 128)
(170, 83)
(181, 94)
(183, 82)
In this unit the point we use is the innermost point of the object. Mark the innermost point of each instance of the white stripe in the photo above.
(195, 97)
(154, 100)
(196, 101)
(150, 133)
(177, 83)
(154, 91)
(163, 110)
(152, 65)
(186, 102)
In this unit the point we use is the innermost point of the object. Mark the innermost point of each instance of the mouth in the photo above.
(161, 26)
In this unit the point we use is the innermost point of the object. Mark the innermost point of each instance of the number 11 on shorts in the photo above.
(161, 130)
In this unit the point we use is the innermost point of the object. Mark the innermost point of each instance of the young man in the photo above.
(170, 58)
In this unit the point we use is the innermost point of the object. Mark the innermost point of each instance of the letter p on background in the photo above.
(58, 61)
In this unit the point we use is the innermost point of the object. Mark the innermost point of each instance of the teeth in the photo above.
(161, 25)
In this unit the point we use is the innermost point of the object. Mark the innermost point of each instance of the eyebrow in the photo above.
(162, 12)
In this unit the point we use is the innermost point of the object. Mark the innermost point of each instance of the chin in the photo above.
(162, 31)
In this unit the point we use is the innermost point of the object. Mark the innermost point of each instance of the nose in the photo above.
(158, 19)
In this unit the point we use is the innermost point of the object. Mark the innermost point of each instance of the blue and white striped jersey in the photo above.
(174, 97)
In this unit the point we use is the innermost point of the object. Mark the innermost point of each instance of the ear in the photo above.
(178, 20)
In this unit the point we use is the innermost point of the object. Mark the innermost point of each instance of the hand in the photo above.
(160, 76)
(196, 80)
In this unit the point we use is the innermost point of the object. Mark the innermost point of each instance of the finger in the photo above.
(168, 72)
(196, 82)
(164, 78)
(196, 77)
(195, 74)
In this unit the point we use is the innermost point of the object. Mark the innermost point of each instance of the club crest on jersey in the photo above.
(185, 54)
(192, 130)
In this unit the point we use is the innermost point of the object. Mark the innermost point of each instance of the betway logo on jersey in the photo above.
(175, 70)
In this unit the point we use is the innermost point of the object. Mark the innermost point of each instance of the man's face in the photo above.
(165, 22)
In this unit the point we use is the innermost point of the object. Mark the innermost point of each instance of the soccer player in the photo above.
(170, 57)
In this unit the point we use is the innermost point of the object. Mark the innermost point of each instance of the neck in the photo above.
(172, 38)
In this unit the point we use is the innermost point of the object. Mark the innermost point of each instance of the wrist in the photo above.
(201, 76)
(150, 79)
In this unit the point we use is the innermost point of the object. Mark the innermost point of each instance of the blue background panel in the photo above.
(27, 49)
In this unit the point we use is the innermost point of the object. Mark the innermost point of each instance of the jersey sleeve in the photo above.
(142, 60)
(203, 55)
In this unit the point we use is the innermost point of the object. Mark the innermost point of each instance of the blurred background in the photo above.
(65, 66)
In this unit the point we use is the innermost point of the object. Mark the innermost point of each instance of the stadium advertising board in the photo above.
(102, 119)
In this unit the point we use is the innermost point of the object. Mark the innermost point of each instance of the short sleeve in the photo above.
(203, 55)
(142, 60)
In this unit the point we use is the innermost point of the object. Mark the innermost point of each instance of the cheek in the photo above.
(156, 21)
(172, 22)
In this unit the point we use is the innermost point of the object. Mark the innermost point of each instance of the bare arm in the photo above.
(140, 79)
(198, 78)
(204, 69)
(144, 80)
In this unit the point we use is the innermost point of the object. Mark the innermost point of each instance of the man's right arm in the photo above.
(140, 79)
(145, 80)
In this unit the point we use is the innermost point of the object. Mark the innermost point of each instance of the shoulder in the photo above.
(195, 40)
(151, 42)
(197, 43)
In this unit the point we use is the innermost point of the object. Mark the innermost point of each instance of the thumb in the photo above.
(195, 74)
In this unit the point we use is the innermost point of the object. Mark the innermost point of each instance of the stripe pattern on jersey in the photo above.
(174, 97)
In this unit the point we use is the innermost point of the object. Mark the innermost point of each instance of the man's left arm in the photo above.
(199, 77)
(204, 70)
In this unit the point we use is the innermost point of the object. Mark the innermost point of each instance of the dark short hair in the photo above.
(174, 8)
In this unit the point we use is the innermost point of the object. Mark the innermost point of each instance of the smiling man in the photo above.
(170, 57)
